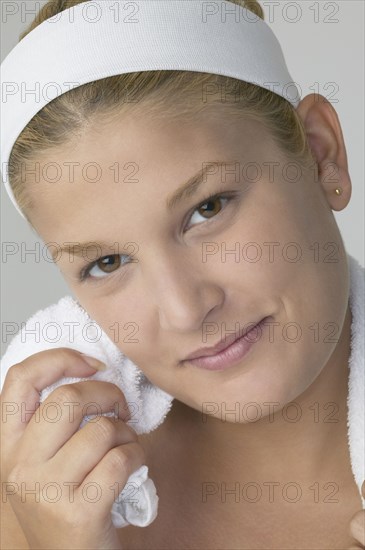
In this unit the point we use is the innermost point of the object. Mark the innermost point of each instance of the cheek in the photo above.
(313, 300)
(116, 316)
(310, 305)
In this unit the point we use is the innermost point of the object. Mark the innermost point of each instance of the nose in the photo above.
(184, 295)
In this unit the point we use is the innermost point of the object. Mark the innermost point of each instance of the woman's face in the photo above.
(180, 277)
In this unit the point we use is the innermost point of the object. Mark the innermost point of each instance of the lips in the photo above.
(222, 345)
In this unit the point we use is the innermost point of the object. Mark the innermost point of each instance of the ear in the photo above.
(324, 135)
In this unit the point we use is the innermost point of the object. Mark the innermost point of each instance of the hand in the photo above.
(357, 526)
(59, 480)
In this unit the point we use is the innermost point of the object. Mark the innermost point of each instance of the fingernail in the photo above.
(93, 362)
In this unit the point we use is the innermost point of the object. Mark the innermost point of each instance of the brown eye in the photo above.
(208, 209)
(105, 265)
(108, 264)
(214, 207)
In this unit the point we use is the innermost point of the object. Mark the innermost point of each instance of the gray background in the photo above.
(318, 50)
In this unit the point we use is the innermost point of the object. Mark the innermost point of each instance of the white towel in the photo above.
(152, 403)
(67, 324)
(356, 382)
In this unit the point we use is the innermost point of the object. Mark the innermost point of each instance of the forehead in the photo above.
(130, 159)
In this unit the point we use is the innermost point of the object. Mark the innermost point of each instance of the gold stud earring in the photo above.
(338, 191)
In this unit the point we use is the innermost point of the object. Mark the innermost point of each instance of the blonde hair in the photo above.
(168, 93)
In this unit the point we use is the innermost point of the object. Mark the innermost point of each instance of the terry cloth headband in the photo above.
(97, 39)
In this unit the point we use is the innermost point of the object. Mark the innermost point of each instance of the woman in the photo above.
(191, 278)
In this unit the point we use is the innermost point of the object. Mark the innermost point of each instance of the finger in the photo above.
(363, 489)
(60, 415)
(25, 380)
(89, 445)
(357, 527)
(110, 476)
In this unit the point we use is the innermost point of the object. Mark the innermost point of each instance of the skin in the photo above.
(170, 294)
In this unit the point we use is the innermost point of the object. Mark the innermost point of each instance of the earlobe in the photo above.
(325, 138)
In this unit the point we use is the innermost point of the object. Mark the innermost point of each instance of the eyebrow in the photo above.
(186, 190)
(189, 188)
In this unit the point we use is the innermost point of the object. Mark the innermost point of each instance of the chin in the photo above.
(249, 402)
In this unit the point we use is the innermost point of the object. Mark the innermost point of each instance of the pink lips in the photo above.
(230, 355)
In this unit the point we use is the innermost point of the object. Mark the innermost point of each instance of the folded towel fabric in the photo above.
(67, 324)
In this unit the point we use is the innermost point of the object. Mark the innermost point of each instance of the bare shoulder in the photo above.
(12, 536)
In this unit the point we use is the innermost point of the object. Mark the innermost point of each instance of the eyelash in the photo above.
(84, 275)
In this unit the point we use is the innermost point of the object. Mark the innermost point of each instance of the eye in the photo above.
(213, 208)
(112, 263)
(109, 263)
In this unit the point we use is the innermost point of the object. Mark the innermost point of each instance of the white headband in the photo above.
(97, 39)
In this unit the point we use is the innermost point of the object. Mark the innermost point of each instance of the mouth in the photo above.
(227, 352)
